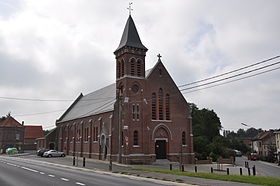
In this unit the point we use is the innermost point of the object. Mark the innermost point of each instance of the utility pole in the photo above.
(119, 97)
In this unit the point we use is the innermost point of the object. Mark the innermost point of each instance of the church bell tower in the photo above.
(130, 86)
(130, 55)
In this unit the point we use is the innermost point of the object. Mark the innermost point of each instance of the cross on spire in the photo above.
(129, 8)
(159, 56)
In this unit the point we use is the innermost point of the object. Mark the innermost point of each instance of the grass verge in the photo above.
(260, 180)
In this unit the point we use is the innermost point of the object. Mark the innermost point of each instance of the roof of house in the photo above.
(9, 121)
(33, 132)
(265, 134)
(130, 36)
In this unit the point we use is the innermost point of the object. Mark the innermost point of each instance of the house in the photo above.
(11, 133)
(48, 141)
(264, 143)
(277, 142)
(140, 118)
(30, 134)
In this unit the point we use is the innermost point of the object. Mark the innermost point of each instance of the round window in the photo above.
(135, 88)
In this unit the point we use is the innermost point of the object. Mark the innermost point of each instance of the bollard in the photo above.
(84, 161)
(73, 160)
(254, 170)
(227, 171)
(241, 171)
(110, 165)
(170, 166)
(211, 169)
(195, 168)
(249, 173)
(183, 168)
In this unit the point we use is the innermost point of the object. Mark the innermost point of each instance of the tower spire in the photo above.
(130, 37)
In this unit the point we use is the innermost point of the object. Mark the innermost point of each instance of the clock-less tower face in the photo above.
(135, 88)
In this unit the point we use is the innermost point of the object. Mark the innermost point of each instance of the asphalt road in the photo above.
(262, 168)
(19, 172)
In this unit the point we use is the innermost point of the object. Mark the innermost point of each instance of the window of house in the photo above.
(183, 138)
(167, 107)
(17, 136)
(132, 66)
(154, 112)
(160, 104)
(138, 68)
(135, 138)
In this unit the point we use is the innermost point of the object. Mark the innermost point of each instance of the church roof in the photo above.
(130, 36)
(97, 102)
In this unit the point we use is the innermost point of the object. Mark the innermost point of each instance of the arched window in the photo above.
(160, 104)
(118, 69)
(183, 138)
(154, 112)
(122, 137)
(167, 107)
(132, 66)
(122, 66)
(135, 138)
(138, 67)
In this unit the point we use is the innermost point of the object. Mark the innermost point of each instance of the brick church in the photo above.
(140, 118)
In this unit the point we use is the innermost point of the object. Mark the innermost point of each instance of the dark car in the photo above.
(41, 152)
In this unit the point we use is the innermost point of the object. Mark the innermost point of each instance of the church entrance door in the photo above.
(160, 149)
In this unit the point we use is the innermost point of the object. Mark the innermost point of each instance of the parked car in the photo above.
(252, 156)
(53, 153)
(41, 152)
(237, 153)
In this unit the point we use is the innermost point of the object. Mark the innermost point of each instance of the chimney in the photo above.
(22, 123)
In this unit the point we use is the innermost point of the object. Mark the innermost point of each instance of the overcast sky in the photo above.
(53, 49)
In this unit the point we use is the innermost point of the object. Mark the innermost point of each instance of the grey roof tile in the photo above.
(99, 101)
(130, 36)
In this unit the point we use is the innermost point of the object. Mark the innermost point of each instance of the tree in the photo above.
(205, 123)
(241, 133)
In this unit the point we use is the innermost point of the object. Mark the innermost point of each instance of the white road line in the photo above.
(78, 183)
(32, 170)
(50, 175)
(64, 179)
(42, 173)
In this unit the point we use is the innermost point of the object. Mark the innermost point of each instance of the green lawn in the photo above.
(260, 180)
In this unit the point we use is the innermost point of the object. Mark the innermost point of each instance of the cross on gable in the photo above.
(129, 8)
(159, 56)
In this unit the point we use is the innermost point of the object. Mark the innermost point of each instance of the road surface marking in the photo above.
(78, 183)
(50, 175)
(32, 170)
(64, 179)
(42, 173)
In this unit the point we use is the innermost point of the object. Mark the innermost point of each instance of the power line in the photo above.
(233, 80)
(49, 100)
(230, 77)
(230, 72)
(240, 74)
(195, 82)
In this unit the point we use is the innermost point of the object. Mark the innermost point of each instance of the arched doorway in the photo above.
(161, 143)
